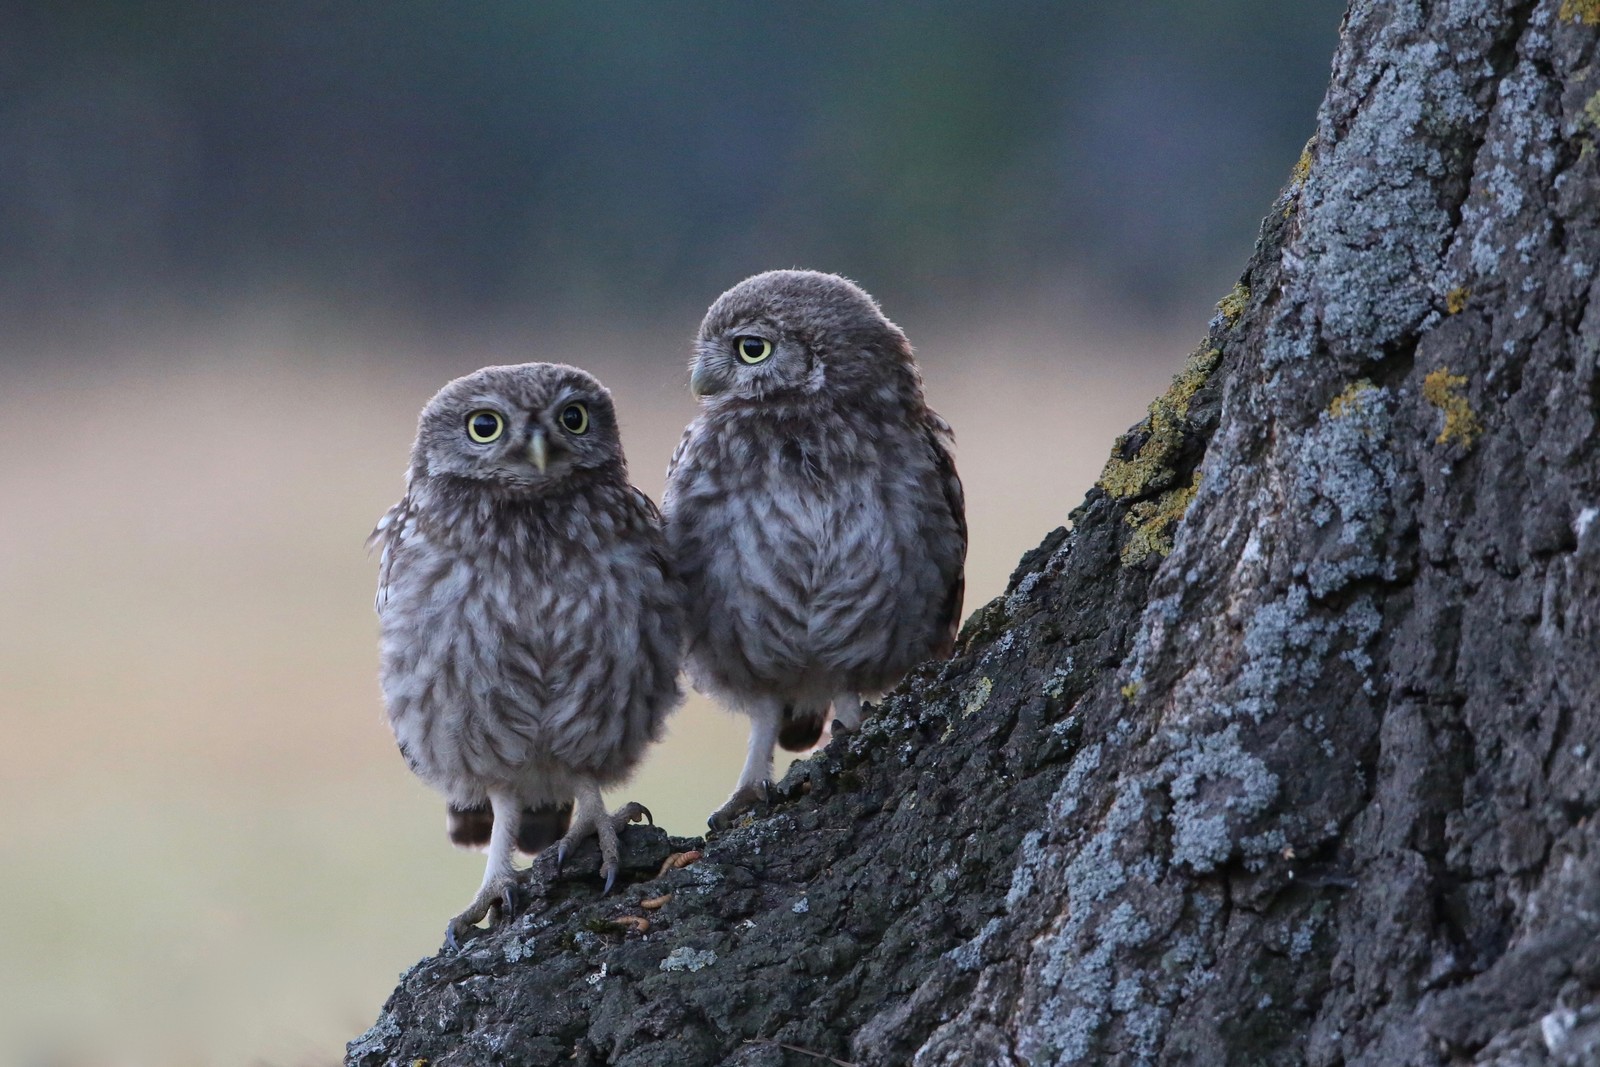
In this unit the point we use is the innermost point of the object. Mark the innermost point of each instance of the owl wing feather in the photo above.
(397, 525)
(941, 442)
(679, 452)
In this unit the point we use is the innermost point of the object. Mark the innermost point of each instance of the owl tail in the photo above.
(801, 728)
(543, 827)
(469, 827)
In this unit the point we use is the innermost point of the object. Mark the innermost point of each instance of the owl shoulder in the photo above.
(399, 527)
(684, 444)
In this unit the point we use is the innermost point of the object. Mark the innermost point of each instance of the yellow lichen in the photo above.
(1153, 522)
(1297, 178)
(1131, 690)
(1150, 468)
(1232, 306)
(1443, 390)
(1302, 166)
(979, 696)
(1348, 401)
(1455, 301)
(1580, 11)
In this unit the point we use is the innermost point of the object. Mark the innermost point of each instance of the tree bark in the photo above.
(1287, 753)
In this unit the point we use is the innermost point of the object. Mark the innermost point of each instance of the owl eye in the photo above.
(752, 349)
(575, 417)
(485, 426)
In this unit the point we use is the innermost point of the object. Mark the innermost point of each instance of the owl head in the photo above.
(518, 430)
(790, 333)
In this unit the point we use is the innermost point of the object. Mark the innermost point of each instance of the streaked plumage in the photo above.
(531, 626)
(813, 510)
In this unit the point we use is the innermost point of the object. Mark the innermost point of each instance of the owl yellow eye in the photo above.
(752, 349)
(485, 426)
(575, 419)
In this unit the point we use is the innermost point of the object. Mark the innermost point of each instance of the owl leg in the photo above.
(497, 896)
(847, 713)
(591, 817)
(765, 719)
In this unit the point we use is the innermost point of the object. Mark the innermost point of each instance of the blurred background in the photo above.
(241, 243)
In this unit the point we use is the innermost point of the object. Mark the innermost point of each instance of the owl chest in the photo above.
(802, 537)
(495, 629)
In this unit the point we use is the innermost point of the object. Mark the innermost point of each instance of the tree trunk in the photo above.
(1288, 752)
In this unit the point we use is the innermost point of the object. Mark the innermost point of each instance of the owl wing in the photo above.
(398, 525)
(941, 443)
(646, 516)
(677, 458)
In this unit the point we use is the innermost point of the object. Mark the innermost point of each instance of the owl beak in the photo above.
(539, 450)
(704, 381)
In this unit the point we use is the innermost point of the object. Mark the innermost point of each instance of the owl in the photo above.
(813, 512)
(531, 622)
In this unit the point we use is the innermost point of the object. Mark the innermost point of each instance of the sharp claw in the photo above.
(450, 941)
(561, 854)
(651, 819)
(508, 902)
(611, 880)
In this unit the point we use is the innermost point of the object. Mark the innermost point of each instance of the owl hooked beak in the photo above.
(706, 380)
(539, 449)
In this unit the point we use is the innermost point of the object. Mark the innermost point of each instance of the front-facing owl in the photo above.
(813, 511)
(531, 624)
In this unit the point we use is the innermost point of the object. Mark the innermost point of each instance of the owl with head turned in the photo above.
(813, 512)
(531, 621)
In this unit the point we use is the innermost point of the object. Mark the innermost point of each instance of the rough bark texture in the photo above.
(1307, 777)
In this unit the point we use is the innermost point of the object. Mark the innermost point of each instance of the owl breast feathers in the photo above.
(813, 508)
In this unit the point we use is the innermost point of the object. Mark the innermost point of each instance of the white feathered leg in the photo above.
(497, 894)
(765, 716)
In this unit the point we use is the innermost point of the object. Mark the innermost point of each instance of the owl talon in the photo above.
(744, 799)
(632, 812)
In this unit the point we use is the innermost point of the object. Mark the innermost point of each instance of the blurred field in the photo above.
(210, 852)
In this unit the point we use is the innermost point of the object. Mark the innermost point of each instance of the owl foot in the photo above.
(496, 901)
(605, 828)
(744, 799)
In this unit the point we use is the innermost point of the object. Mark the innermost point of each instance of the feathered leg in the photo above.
(765, 718)
(497, 894)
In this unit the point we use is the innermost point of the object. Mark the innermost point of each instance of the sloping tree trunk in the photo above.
(1309, 776)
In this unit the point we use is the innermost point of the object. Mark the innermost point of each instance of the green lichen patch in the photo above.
(1151, 467)
(1153, 522)
(1444, 391)
(1302, 166)
(978, 697)
(1349, 402)
(1585, 11)
(1455, 301)
(1232, 306)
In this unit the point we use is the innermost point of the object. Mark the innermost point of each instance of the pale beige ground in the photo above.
(209, 851)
